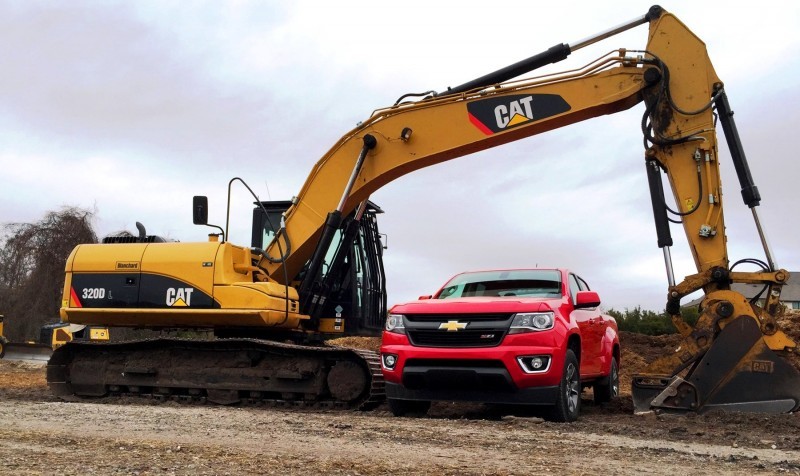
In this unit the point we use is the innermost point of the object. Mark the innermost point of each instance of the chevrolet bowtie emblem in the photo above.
(452, 326)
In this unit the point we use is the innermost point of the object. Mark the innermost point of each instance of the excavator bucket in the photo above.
(27, 351)
(738, 373)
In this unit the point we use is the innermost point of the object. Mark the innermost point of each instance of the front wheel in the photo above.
(3, 343)
(409, 407)
(568, 403)
(607, 389)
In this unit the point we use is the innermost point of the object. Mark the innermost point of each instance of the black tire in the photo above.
(409, 407)
(3, 343)
(568, 403)
(608, 388)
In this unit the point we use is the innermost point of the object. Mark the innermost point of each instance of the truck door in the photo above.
(592, 327)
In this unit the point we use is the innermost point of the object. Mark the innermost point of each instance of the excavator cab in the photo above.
(350, 286)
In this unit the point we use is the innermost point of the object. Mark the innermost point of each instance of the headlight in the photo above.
(531, 322)
(394, 323)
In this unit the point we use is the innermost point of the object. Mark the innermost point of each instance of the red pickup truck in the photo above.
(522, 336)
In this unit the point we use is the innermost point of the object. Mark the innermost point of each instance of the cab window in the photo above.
(574, 287)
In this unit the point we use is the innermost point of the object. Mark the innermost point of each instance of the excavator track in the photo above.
(221, 371)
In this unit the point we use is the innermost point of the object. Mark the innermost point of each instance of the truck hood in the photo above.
(476, 305)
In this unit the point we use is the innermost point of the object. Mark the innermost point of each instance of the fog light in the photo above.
(389, 361)
(534, 364)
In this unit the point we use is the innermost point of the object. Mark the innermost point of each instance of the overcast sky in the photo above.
(131, 108)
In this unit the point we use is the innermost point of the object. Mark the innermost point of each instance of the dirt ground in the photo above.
(40, 434)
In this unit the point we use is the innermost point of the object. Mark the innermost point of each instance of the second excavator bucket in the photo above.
(738, 372)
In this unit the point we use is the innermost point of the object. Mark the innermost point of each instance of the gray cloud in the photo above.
(100, 79)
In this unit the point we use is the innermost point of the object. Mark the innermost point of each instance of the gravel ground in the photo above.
(41, 435)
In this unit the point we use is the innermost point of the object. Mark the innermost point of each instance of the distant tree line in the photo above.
(651, 323)
(32, 261)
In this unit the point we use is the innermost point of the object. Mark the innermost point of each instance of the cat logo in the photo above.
(497, 114)
(453, 326)
(179, 297)
(516, 112)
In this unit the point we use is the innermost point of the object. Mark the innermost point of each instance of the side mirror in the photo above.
(422, 298)
(585, 299)
(200, 209)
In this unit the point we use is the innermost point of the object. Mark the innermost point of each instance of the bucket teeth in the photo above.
(645, 389)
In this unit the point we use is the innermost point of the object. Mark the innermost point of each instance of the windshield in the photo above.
(525, 282)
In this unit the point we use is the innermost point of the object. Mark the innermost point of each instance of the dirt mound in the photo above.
(361, 343)
(790, 324)
(639, 350)
(23, 380)
(21, 374)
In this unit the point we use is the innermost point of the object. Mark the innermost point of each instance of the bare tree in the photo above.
(32, 261)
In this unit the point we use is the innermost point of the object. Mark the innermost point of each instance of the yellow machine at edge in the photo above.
(321, 273)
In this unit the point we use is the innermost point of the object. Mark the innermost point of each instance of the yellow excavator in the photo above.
(314, 268)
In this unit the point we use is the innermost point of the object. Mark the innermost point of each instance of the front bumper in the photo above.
(484, 374)
(525, 396)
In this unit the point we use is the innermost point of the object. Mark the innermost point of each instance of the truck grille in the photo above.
(467, 317)
(464, 338)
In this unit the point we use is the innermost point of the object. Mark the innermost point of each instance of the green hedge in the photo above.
(642, 321)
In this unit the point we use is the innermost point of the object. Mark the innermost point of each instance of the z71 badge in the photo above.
(495, 115)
